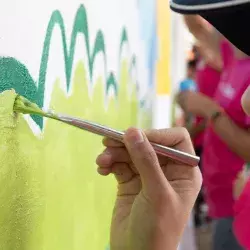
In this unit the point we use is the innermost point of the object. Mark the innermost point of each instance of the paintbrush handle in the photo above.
(92, 127)
(177, 155)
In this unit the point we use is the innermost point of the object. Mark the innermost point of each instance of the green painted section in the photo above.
(52, 196)
(13, 74)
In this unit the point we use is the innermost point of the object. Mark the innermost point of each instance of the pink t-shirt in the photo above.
(242, 218)
(207, 79)
(220, 164)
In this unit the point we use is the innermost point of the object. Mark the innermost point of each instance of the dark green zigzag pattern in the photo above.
(13, 74)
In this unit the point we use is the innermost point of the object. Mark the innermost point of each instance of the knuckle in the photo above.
(118, 154)
(150, 132)
(156, 135)
(184, 133)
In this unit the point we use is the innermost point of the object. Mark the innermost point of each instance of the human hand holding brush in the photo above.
(155, 194)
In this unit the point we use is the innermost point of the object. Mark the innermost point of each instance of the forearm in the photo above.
(208, 38)
(237, 139)
(194, 24)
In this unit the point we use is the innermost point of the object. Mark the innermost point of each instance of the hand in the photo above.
(155, 194)
(197, 104)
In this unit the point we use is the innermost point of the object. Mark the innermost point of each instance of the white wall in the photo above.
(181, 41)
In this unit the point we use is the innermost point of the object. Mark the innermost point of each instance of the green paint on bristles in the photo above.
(24, 106)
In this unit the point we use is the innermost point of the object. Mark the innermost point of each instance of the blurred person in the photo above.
(242, 193)
(227, 139)
(188, 84)
(207, 79)
(207, 76)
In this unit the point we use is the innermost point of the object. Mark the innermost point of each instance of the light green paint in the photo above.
(51, 196)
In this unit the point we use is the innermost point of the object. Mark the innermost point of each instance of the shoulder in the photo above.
(227, 52)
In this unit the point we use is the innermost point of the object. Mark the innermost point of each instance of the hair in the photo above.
(195, 51)
(191, 64)
(195, 48)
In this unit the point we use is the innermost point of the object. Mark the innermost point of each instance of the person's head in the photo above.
(191, 69)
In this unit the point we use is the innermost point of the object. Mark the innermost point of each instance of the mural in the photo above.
(163, 31)
(51, 197)
(148, 32)
(15, 75)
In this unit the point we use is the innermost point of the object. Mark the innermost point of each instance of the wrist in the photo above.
(210, 112)
(215, 116)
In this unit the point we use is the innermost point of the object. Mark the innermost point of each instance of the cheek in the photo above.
(245, 101)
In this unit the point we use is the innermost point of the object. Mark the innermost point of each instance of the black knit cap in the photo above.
(229, 17)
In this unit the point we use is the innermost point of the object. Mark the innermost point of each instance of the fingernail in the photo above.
(104, 159)
(135, 136)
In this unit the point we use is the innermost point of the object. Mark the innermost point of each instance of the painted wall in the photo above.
(88, 59)
(162, 105)
(180, 43)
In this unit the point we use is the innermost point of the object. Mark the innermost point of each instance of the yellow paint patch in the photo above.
(163, 66)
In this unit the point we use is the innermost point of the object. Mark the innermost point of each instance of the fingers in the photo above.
(177, 138)
(139, 151)
(108, 142)
(183, 99)
(180, 98)
(116, 161)
(104, 171)
(122, 172)
(113, 155)
(144, 158)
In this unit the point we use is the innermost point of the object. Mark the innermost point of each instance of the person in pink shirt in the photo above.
(207, 79)
(242, 194)
(241, 216)
(227, 138)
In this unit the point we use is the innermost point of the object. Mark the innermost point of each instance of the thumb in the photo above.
(144, 158)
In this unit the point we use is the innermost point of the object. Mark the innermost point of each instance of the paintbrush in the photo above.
(22, 105)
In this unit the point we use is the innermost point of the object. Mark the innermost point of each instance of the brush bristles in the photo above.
(24, 106)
